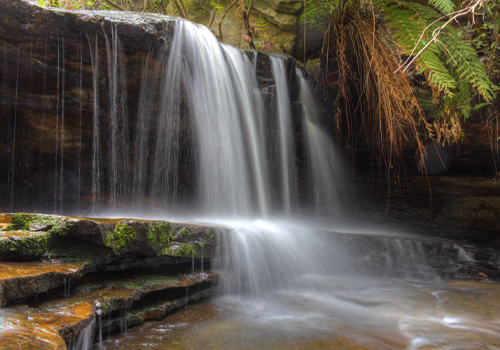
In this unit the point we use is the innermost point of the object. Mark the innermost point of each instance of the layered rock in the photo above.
(54, 289)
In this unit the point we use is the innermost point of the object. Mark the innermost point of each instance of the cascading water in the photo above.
(286, 144)
(215, 143)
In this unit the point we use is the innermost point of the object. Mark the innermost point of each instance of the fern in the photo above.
(450, 64)
(445, 6)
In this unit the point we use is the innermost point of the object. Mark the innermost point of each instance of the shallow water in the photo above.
(347, 313)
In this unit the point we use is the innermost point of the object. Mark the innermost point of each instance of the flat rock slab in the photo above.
(121, 294)
(49, 325)
(19, 280)
(43, 328)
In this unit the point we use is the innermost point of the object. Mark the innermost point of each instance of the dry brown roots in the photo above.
(390, 113)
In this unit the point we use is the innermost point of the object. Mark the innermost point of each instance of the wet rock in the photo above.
(46, 328)
(155, 311)
(21, 280)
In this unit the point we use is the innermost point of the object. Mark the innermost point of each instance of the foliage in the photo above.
(120, 238)
(33, 245)
(185, 250)
(218, 8)
(183, 233)
(359, 65)
(22, 221)
(451, 65)
(160, 236)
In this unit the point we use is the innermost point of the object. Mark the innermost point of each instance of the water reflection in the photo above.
(368, 313)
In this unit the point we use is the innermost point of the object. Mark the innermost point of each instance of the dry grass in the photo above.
(390, 113)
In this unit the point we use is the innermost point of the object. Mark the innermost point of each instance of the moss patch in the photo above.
(26, 245)
(121, 237)
(160, 236)
(48, 223)
(184, 250)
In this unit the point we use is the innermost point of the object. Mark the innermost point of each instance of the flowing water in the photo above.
(214, 143)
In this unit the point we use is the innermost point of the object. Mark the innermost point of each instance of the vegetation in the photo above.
(120, 238)
(29, 246)
(185, 250)
(160, 236)
(55, 224)
(374, 91)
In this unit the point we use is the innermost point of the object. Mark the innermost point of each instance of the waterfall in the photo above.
(84, 339)
(96, 146)
(118, 118)
(286, 143)
(325, 171)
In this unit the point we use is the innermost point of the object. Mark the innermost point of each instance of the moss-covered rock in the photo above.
(120, 238)
(38, 222)
(282, 20)
(26, 244)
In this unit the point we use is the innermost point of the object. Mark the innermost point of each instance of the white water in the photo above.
(209, 146)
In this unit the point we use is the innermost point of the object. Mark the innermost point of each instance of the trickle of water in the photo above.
(201, 258)
(61, 172)
(84, 339)
(123, 321)
(109, 327)
(118, 117)
(80, 85)
(192, 263)
(56, 169)
(14, 137)
(100, 331)
(187, 298)
(96, 149)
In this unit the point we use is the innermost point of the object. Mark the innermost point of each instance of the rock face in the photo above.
(73, 86)
(53, 289)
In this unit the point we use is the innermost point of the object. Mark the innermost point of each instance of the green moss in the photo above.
(136, 282)
(160, 236)
(186, 250)
(35, 245)
(183, 233)
(121, 237)
(151, 280)
(22, 221)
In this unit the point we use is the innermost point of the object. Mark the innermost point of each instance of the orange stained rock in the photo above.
(44, 327)
(21, 234)
(5, 218)
(10, 270)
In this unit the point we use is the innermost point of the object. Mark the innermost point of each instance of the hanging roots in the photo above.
(389, 111)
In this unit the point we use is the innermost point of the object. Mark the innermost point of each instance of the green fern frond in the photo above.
(438, 73)
(463, 58)
(445, 6)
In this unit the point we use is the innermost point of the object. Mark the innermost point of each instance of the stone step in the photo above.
(65, 238)
(19, 280)
(52, 323)
(121, 294)
(44, 327)
(154, 311)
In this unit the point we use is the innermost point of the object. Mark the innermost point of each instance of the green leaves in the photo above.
(450, 64)
(445, 6)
